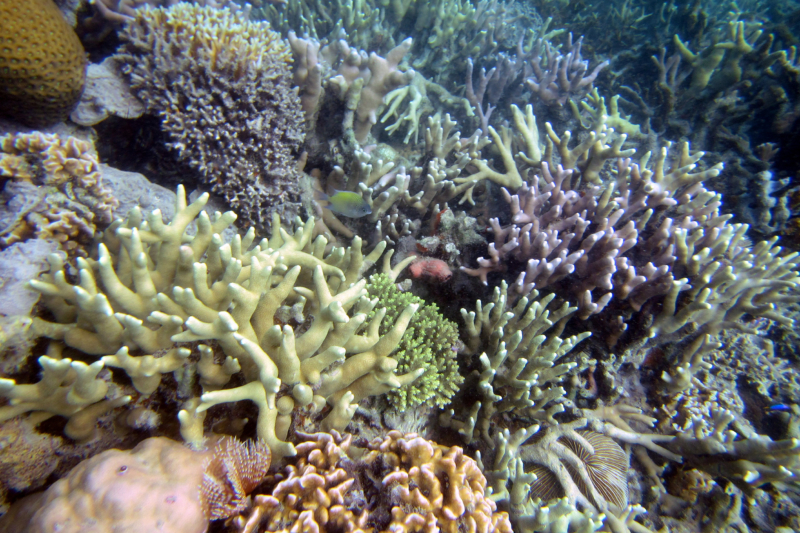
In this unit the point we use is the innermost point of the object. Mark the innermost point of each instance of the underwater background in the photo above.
(399, 266)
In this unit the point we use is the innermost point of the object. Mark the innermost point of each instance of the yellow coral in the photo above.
(151, 287)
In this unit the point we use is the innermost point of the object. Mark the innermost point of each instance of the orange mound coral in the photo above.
(400, 483)
(42, 63)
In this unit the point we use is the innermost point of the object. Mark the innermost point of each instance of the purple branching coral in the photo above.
(649, 235)
(552, 78)
(560, 76)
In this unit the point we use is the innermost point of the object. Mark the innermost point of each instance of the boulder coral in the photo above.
(42, 63)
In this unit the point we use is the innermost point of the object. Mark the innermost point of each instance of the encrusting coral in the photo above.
(42, 63)
(53, 190)
(149, 289)
(222, 84)
(400, 483)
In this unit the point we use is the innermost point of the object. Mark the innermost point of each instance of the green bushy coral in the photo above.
(427, 343)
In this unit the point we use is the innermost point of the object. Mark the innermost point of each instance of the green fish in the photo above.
(346, 203)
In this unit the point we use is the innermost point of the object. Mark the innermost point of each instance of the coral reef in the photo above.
(222, 86)
(625, 355)
(583, 241)
(127, 303)
(42, 63)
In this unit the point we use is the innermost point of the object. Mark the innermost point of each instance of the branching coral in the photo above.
(429, 342)
(560, 76)
(521, 368)
(149, 289)
(67, 388)
(585, 239)
(446, 32)
(223, 87)
(366, 78)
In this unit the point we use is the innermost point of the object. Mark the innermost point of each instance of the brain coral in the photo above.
(400, 483)
(42, 63)
(223, 86)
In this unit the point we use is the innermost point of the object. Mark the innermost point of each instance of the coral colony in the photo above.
(454, 265)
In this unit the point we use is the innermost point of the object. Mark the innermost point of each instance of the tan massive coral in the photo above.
(153, 487)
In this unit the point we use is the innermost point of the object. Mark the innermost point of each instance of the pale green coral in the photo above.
(428, 343)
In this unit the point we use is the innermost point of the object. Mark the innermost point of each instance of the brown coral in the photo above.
(56, 189)
(223, 85)
(42, 63)
(399, 483)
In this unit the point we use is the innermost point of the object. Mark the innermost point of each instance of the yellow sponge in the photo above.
(42, 63)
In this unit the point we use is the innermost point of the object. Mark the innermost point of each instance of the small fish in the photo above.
(782, 407)
(346, 203)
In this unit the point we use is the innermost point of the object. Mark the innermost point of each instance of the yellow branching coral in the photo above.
(67, 388)
(152, 286)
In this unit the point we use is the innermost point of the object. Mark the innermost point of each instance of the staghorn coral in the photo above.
(397, 483)
(53, 190)
(67, 388)
(360, 78)
(446, 32)
(42, 63)
(148, 289)
(522, 371)
(560, 76)
(429, 342)
(223, 87)
(584, 241)
(539, 445)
